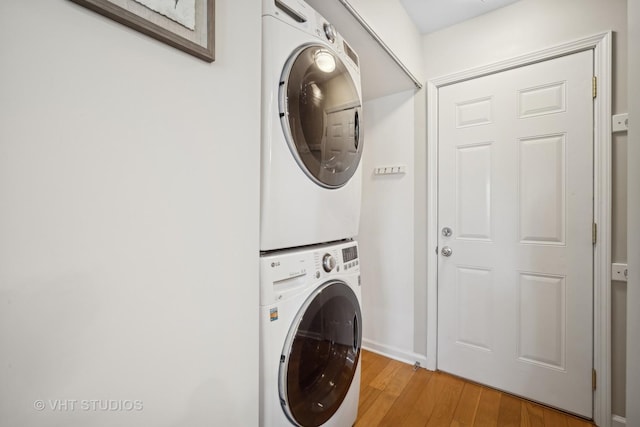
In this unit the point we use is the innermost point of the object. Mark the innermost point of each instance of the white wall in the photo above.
(386, 232)
(633, 315)
(420, 206)
(129, 194)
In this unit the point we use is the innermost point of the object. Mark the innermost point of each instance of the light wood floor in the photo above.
(393, 394)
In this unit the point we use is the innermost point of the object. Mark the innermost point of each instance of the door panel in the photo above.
(319, 110)
(473, 191)
(320, 356)
(515, 295)
(537, 294)
(542, 189)
(474, 315)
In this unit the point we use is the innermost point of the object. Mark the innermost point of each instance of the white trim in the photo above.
(601, 44)
(592, 42)
(632, 409)
(432, 225)
(618, 421)
(602, 215)
(394, 352)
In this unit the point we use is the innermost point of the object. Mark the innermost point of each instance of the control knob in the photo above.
(328, 262)
(329, 32)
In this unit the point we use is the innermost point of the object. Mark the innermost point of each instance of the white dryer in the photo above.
(310, 336)
(311, 141)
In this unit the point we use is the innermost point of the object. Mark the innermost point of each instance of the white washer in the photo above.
(311, 142)
(310, 336)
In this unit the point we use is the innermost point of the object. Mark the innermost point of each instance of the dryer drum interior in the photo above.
(321, 355)
(320, 112)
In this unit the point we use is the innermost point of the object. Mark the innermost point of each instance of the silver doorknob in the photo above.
(446, 251)
(447, 232)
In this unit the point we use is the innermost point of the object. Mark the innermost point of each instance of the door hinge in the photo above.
(594, 233)
(594, 88)
(594, 379)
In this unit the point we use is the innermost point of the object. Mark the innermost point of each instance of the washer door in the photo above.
(320, 112)
(320, 355)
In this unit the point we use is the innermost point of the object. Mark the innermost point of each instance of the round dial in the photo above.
(329, 32)
(328, 262)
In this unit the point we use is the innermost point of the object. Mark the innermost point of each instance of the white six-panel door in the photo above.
(515, 187)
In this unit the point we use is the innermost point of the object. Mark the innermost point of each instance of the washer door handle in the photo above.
(355, 333)
(356, 130)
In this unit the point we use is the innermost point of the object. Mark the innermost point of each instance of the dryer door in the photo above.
(320, 112)
(320, 355)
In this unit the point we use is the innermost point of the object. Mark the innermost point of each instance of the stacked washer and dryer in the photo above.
(310, 300)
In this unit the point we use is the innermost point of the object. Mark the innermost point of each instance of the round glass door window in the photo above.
(320, 109)
(321, 355)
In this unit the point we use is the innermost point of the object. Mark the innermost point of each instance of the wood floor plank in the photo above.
(400, 379)
(509, 412)
(369, 357)
(531, 415)
(372, 364)
(467, 405)
(425, 404)
(372, 355)
(368, 396)
(577, 422)
(554, 418)
(376, 411)
(450, 391)
(406, 403)
(488, 408)
(385, 376)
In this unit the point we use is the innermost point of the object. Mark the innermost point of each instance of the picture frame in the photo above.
(193, 34)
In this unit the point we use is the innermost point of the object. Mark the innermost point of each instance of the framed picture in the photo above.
(185, 24)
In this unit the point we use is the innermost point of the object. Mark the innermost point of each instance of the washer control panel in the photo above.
(288, 272)
(337, 259)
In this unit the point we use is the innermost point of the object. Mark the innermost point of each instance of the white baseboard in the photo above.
(618, 421)
(394, 352)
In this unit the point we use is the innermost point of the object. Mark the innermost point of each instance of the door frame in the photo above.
(602, 46)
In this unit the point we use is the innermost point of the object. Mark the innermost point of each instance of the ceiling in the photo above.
(432, 15)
